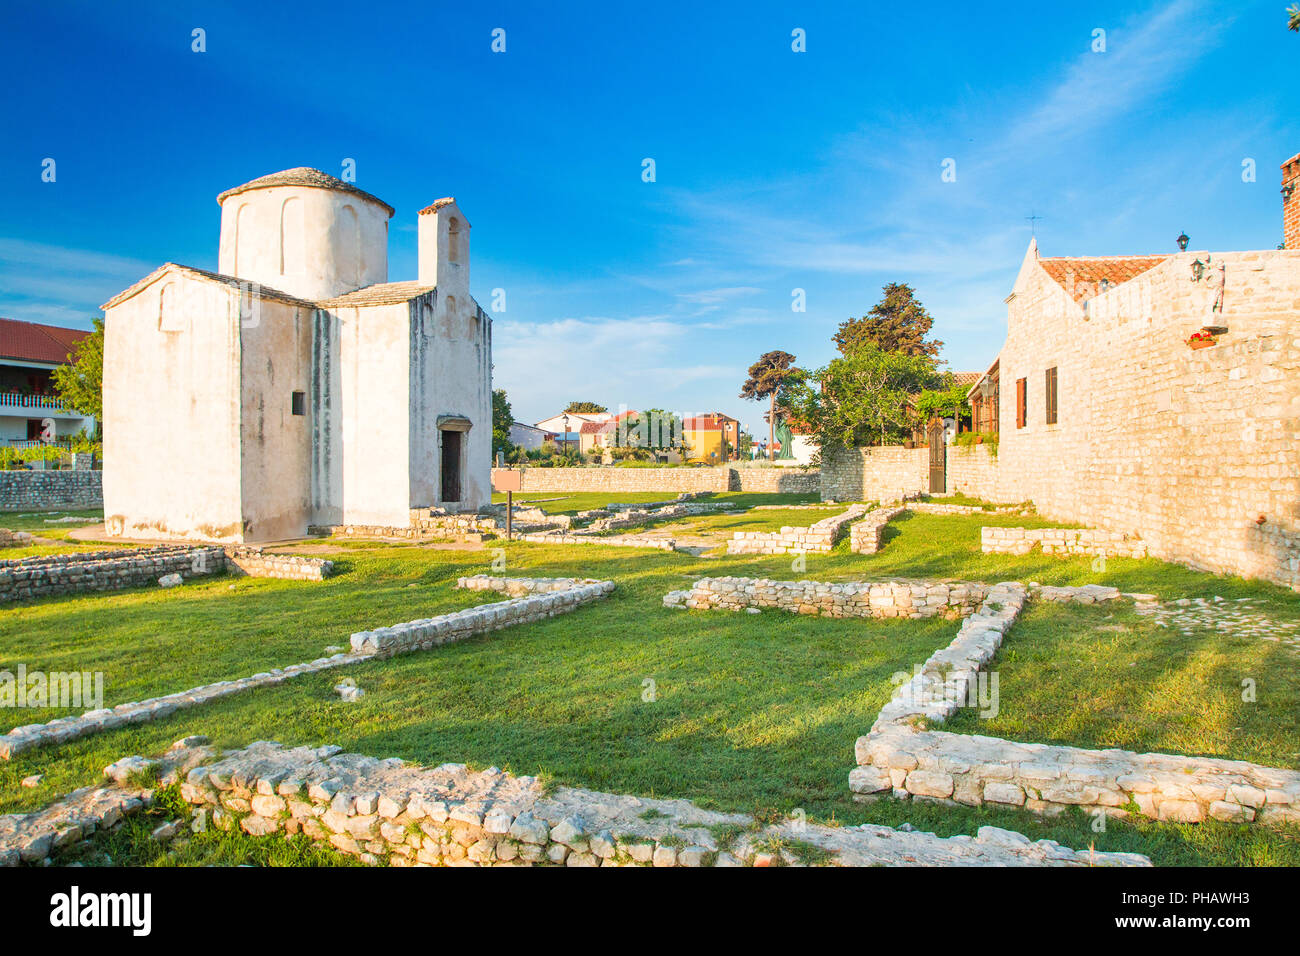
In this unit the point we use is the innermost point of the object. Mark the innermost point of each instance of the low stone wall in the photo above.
(430, 632)
(550, 596)
(1050, 779)
(389, 812)
(423, 526)
(618, 480)
(27, 578)
(777, 480)
(614, 479)
(866, 536)
(611, 540)
(1062, 541)
(903, 756)
(258, 563)
(885, 473)
(944, 508)
(50, 490)
(14, 539)
(911, 599)
(821, 536)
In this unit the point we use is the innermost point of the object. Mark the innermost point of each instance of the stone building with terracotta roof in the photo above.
(296, 385)
(1158, 395)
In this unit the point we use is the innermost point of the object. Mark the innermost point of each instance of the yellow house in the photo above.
(712, 438)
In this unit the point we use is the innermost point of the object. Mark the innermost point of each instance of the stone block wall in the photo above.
(886, 473)
(778, 480)
(910, 599)
(537, 604)
(975, 470)
(866, 536)
(27, 578)
(716, 478)
(1062, 541)
(821, 536)
(618, 480)
(258, 563)
(1050, 779)
(50, 490)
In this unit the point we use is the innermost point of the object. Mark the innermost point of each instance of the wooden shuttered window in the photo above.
(1050, 395)
(1021, 401)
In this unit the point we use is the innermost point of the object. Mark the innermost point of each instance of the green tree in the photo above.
(81, 383)
(1294, 21)
(863, 398)
(774, 377)
(897, 323)
(588, 408)
(502, 418)
(946, 401)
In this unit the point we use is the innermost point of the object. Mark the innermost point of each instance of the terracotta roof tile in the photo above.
(303, 176)
(1087, 276)
(381, 293)
(34, 342)
(966, 378)
(437, 204)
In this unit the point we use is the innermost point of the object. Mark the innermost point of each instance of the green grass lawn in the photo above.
(1103, 677)
(754, 713)
(45, 524)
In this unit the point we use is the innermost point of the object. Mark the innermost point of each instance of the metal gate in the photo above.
(938, 459)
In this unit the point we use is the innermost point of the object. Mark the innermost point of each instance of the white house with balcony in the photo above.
(30, 409)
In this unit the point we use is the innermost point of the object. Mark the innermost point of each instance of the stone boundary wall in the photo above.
(424, 634)
(778, 480)
(389, 811)
(708, 478)
(619, 480)
(64, 729)
(866, 536)
(14, 539)
(902, 756)
(1062, 541)
(821, 536)
(50, 575)
(881, 473)
(424, 525)
(877, 599)
(551, 596)
(612, 540)
(51, 490)
(258, 563)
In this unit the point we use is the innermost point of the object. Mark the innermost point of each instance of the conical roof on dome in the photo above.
(303, 176)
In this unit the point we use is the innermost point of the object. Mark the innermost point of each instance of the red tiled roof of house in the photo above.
(703, 423)
(33, 342)
(1083, 276)
(596, 428)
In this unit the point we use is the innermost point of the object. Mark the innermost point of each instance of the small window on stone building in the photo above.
(300, 403)
(453, 240)
(1050, 395)
(1022, 400)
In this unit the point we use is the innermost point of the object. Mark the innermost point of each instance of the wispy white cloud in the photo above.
(48, 283)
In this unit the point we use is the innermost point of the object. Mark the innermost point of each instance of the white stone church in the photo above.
(297, 386)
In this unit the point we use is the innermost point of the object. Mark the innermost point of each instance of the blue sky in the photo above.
(775, 170)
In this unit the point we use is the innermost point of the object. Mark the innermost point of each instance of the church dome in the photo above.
(303, 176)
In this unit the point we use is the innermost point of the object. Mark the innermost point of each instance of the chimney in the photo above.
(444, 248)
(1291, 203)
